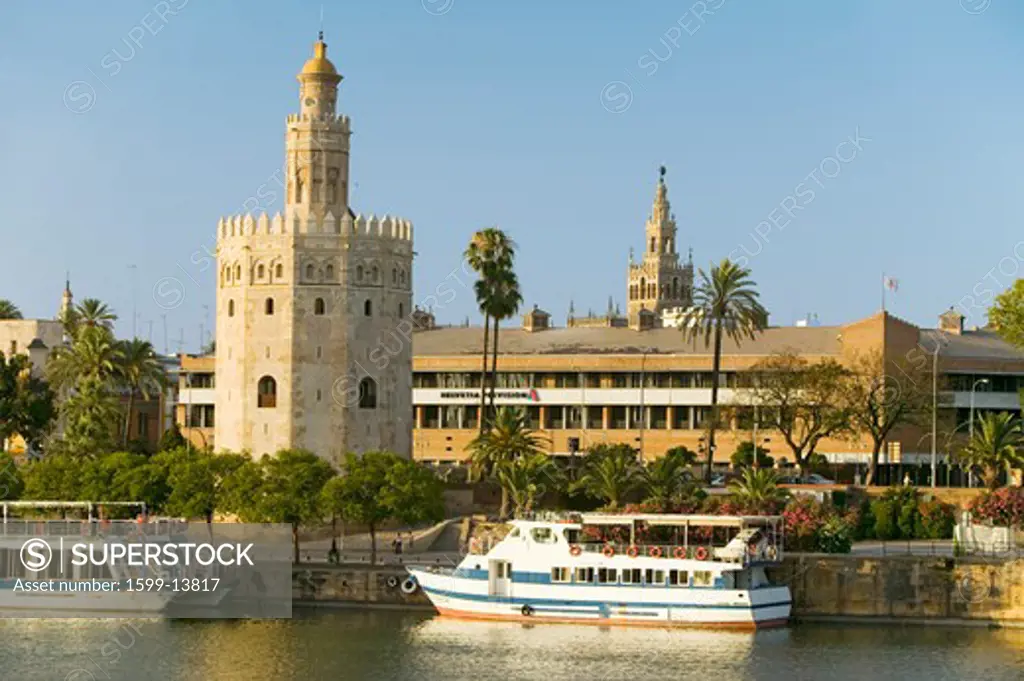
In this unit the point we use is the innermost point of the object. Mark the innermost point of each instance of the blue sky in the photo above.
(546, 118)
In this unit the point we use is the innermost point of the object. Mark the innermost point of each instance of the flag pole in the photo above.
(883, 291)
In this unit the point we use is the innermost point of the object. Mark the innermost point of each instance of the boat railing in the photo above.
(91, 528)
(761, 554)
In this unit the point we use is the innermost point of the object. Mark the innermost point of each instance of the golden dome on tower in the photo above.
(319, 64)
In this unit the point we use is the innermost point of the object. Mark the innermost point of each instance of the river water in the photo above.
(386, 646)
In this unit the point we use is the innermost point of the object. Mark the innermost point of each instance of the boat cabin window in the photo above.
(607, 576)
(572, 536)
(631, 576)
(703, 578)
(728, 580)
(654, 577)
(678, 578)
(543, 535)
(560, 575)
(584, 575)
(514, 533)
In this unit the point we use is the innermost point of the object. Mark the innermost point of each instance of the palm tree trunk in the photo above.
(494, 367)
(128, 418)
(483, 376)
(716, 368)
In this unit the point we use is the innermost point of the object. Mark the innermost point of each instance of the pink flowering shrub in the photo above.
(1003, 507)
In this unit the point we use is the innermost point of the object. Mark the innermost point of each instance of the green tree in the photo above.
(509, 439)
(664, 478)
(26, 402)
(54, 478)
(504, 302)
(743, 457)
(800, 399)
(292, 481)
(527, 479)
(12, 483)
(381, 486)
(91, 415)
(94, 354)
(610, 473)
(725, 303)
(171, 439)
(877, 395)
(996, 445)
(9, 310)
(489, 250)
(197, 480)
(1007, 314)
(90, 313)
(758, 489)
(139, 372)
(122, 476)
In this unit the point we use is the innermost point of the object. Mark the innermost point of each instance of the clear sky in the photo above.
(124, 136)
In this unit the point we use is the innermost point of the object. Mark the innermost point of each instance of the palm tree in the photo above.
(996, 444)
(139, 371)
(509, 438)
(610, 473)
(9, 310)
(758, 488)
(725, 303)
(91, 313)
(94, 354)
(665, 477)
(526, 480)
(489, 250)
(504, 302)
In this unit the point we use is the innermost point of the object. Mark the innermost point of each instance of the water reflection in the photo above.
(390, 646)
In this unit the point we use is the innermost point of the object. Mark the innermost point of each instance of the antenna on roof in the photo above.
(320, 35)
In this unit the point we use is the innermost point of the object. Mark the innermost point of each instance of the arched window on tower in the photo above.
(309, 272)
(654, 245)
(332, 185)
(367, 393)
(401, 310)
(319, 307)
(238, 272)
(266, 393)
(643, 287)
(279, 271)
(675, 287)
(300, 181)
(394, 276)
(268, 306)
(330, 273)
(368, 308)
(401, 277)
(374, 274)
(260, 271)
(359, 273)
(231, 308)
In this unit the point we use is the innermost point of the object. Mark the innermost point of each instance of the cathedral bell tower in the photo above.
(659, 282)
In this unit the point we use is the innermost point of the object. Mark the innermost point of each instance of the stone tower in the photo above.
(314, 306)
(658, 282)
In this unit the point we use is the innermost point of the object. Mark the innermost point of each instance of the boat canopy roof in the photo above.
(673, 519)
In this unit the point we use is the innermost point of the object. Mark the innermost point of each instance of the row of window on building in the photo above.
(266, 393)
(633, 576)
(565, 417)
(319, 307)
(999, 383)
(363, 275)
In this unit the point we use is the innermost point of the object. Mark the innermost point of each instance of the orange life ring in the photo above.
(608, 551)
(679, 552)
(701, 554)
(655, 552)
(575, 550)
(632, 552)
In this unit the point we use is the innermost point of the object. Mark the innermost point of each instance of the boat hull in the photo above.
(466, 598)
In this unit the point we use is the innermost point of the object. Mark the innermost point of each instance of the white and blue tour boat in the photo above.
(634, 569)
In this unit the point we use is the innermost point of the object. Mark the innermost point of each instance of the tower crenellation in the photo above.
(309, 302)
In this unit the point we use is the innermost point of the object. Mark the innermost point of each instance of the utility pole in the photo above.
(167, 348)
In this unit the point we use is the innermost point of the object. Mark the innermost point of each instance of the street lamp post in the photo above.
(935, 408)
(970, 423)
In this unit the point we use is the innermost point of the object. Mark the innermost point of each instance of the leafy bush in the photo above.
(936, 520)
(885, 512)
(814, 526)
(835, 536)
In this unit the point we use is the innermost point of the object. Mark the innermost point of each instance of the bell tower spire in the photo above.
(659, 282)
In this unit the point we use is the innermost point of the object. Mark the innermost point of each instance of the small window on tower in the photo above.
(330, 272)
(401, 310)
(309, 272)
(319, 306)
(266, 393)
(259, 272)
(367, 393)
(394, 276)
(238, 272)
(359, 273)
(374, 274)
(368, 308)
(231, 308)
(279, 271)
(268, 306)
